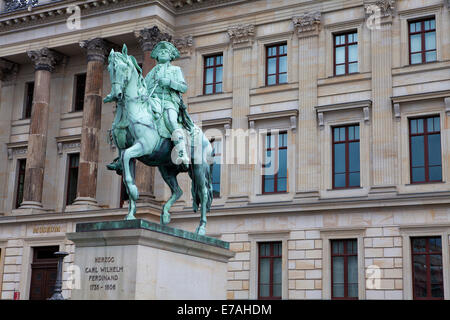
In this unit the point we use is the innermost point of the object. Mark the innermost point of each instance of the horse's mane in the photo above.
(131, 61)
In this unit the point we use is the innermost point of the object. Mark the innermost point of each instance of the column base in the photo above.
(30, 207)
(307, 195)
(238, 200)
(376, 191)
(83, 204)
(147, 200)
(29, 211)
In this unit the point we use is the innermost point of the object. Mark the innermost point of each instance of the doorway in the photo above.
(43, 272)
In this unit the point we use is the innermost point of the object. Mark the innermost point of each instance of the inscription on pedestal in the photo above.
(103, 274)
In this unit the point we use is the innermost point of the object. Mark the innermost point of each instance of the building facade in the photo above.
(348, 99)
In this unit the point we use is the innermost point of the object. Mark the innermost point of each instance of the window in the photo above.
(217, 147)
(276, 64)
(425, 149)
(428, 281)
(275, 163)
(346, 164)
(21, 163)
(213, 74)
(422, 41)
(80, 85)
(72, 177)
(269, 269)
(29, 90)
(345, 53)
(344, 269)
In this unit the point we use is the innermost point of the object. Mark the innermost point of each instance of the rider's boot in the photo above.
(181, 148)
(115, 165)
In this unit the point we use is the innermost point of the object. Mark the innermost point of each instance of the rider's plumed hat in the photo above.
(173, 51)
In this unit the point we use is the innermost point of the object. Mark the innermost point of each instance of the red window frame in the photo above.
(426, 155)
(427, 254)
(272, 256)
(21, 163)
(346, 45)
(28, 103)
(80, 87)
(214, 67)
(345, 255)
(347, 157)
(275, 157)
(70, 176)
(277, 55)
(422, 32)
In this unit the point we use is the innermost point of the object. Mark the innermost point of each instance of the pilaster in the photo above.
(307, 27)
(384, 149)
(242, 39)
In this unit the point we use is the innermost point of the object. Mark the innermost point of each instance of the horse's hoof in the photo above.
(201, 230)
(165, 218)
(130, 217)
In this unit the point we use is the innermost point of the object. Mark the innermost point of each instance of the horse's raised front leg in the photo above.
(169, 174)
(133, 152)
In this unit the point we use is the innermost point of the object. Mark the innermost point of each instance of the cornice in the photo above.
(325, 204)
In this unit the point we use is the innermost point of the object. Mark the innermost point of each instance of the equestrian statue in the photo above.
(152, 125)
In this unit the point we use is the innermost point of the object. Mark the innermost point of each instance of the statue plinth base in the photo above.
(138, 259)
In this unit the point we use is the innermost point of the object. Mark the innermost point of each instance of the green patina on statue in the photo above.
(152, 125)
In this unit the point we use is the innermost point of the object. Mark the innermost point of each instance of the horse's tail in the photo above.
(196, 190)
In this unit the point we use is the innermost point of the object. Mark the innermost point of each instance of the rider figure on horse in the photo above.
(165, 84)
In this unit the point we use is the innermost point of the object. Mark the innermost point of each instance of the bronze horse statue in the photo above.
(135, 132)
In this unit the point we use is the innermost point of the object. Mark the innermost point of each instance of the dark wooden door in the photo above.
(43, 273)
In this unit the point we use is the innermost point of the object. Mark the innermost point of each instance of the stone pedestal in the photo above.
(138, 259)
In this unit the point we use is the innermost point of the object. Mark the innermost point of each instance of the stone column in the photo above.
(308, 170)
(97, 51)
(8, 77)
(241, 38)
(44, 61)
(384, 153)
(145, 175)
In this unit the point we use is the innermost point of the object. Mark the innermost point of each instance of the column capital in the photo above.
(307, 23)
(97, 48)
(8, 69)
(45, 58)
(383, 8)
(184, 44)
(241, 33)
(149, 37)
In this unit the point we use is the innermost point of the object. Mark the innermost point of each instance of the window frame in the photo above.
(347, 153)
(427, 254)
(345, 255)
(214, 67)
(422, 33)
(346, 45)
(271, 257)
(69, 168)
(277, 148)
(19, 173)
(277, 56)
(425, 134)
